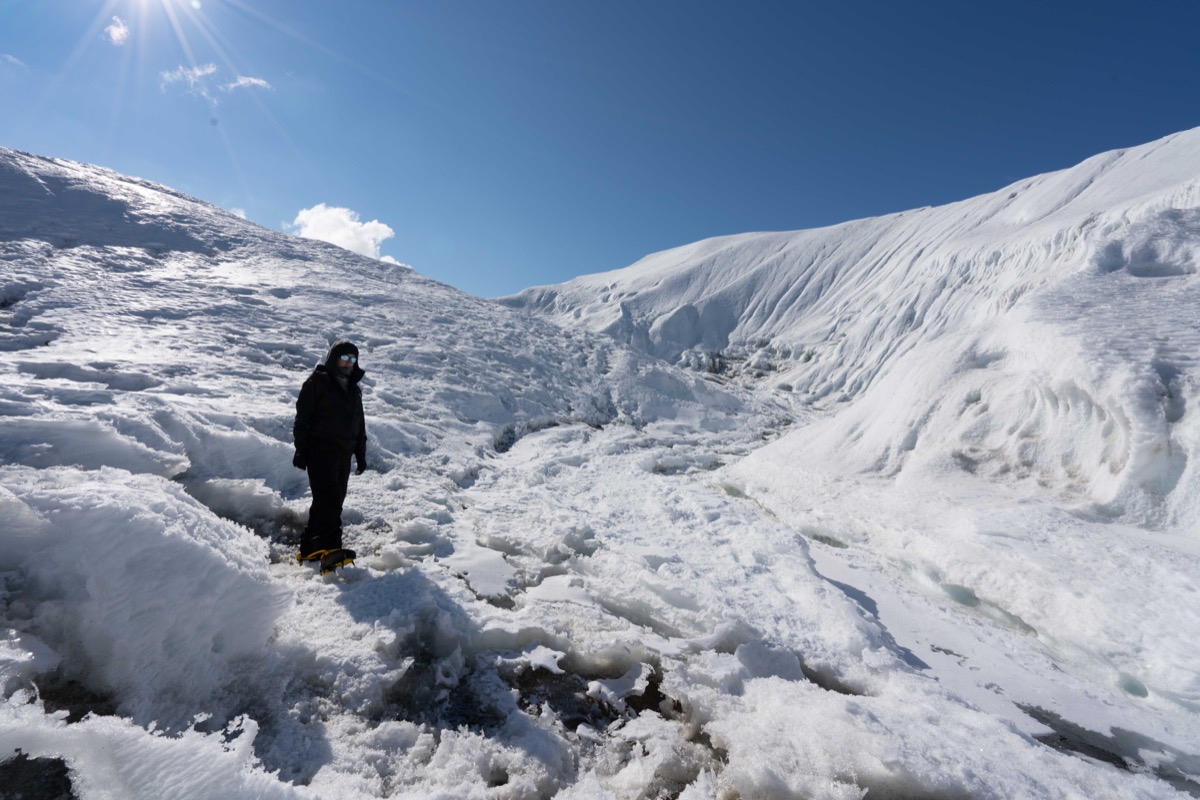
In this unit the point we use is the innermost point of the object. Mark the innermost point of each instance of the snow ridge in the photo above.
(953, 305)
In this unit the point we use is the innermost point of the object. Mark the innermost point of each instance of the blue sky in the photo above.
(500, 144)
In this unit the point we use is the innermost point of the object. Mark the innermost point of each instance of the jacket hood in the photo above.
(340, 348)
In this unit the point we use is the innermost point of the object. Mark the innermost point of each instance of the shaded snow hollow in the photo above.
(900, 508)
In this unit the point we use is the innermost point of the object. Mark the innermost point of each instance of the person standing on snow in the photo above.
(329, 429)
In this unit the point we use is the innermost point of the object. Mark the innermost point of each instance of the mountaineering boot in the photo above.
(332, 559)
(312, 555)
(311, 548)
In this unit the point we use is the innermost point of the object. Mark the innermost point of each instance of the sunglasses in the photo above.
(348, 359)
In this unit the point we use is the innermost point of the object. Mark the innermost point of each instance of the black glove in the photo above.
(299, 461)
(362, 466)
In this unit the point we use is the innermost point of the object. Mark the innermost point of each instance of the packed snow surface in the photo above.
(900, 508)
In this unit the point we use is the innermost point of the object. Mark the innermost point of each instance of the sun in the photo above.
(175, 11)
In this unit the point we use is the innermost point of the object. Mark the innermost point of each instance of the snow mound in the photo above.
(112, 758)
(143, 595)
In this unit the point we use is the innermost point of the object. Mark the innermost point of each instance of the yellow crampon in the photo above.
(315, 555)
(329, 565)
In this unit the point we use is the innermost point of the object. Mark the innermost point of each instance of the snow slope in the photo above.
(585, 572)
(1046, 331)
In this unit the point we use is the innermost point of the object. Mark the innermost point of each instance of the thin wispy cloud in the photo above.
(243, 82)
(117, 32)
(342, 227)
(12, 69)
(199, 78)
(196, 79)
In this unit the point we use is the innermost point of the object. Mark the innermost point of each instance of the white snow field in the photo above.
(902, 508)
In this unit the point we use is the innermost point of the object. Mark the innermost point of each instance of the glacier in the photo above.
(904, 507)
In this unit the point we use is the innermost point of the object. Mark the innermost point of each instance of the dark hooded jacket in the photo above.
(329, 416)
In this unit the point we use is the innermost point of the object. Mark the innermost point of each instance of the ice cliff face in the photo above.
(916, 272)
(1040, 332)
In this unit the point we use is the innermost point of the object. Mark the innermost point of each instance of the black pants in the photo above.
(328, 476)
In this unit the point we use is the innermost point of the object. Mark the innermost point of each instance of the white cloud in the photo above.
(243, 82)
(342, 227)
(12, 69)
(198, 79)
(195, 77)
(117, 32)
(238, 212)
